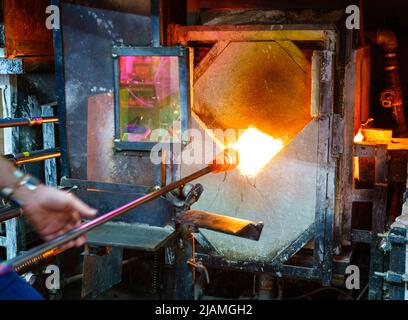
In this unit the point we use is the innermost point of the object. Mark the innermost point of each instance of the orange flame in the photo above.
(256, 149)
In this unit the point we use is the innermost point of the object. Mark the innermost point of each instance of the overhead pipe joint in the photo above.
(387, 39)
(391, 97)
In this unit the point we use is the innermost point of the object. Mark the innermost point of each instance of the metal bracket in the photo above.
(388, 239)
(198, 265)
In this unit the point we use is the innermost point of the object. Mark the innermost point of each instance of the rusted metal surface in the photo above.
(103, 163)
(100, 151)
(26, 33)
(183, 34)
(266, 84)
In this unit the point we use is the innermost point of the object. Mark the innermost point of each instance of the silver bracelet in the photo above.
(25, 181)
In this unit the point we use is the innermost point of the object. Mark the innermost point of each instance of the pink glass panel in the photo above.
(149, 98)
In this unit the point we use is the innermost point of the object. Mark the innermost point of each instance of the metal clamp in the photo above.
(200, 267)
(393, 238)
(184, 198)
(393, 277)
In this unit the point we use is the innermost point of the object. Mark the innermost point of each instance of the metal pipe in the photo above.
(8, 213)
(8, 123)
(38, 158)
(227, 160)
(391, 97)
(35, 153)
(33, 156)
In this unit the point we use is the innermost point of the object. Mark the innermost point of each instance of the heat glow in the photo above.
(256, 149)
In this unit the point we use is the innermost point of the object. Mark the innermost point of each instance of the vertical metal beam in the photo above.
(346, 173)
(155, 22)
(117, 96)
(183, 273)
(326, 170)
(398, 264)
(50, 166)
(379, 212)
(60, 83)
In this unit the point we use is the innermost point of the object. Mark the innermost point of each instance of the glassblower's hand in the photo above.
(53, 212)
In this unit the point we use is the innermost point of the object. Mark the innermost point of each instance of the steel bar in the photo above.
(33, 156)
(220, 223)
(231, 161)
(61, 103)
(38, 158)
(8, 213)
(178, 34)
(8, 123)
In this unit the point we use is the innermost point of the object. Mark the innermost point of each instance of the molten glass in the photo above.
(359, 137)
(256, 149)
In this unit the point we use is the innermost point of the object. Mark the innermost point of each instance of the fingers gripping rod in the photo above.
(225, 161)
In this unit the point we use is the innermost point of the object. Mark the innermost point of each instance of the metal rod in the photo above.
(33, 156)
(8, 123)
(8, 213)
(38, 158)
(38, 259)
(35, 153)
(85, 227)
(225, 161)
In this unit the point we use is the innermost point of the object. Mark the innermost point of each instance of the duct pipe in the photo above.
(391, 97)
